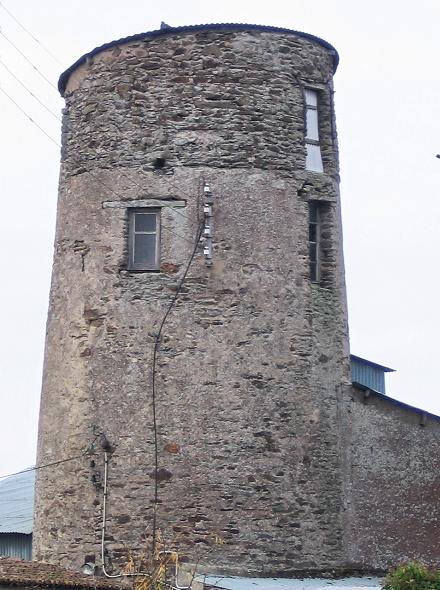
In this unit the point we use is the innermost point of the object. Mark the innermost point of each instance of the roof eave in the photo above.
(64, 78)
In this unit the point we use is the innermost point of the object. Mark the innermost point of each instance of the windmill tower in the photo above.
(197, 314)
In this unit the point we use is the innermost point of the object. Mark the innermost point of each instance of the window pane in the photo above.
(144, 250)
(313, 272)
(313, 158)
(312, 131)
(312, 232)
(312, 251)
(311, 98)
(145, 222)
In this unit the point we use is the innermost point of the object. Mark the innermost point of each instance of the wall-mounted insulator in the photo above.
(207, 231)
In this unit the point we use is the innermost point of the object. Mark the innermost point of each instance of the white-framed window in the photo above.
(313, 148)
(144, 238)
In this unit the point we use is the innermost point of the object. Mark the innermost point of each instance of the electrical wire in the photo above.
(57, 117)
(30, 118)
(158, 335)
(53, 463)
(15, 19)
(108, 187)
(28, 60)
(153, 382)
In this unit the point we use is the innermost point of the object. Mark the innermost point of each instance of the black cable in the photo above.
(89, 171)
(30, 118)
(29, 61)
(153, 383)
(53, 463)
(57, 117)
(30, 34)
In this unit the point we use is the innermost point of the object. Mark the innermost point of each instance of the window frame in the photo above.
(136, 266)
(311, 111)
(314, 212)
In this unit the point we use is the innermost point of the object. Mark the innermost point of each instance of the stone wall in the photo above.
(393, 477)
(253, 356)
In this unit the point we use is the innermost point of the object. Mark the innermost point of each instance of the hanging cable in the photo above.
(57, 117)
(30, 34)
(30, 118)
(53, 463)
(29, 61)
(105, 185)
(153, 382)
(153, 575)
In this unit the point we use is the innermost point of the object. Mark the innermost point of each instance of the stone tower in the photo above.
(228, 131)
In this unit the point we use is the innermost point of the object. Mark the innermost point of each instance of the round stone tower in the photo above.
(197, 331)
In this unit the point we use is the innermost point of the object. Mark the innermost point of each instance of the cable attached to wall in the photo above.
(153, 381)
(88, 450)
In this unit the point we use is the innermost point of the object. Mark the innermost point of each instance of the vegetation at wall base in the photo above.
(413, 576)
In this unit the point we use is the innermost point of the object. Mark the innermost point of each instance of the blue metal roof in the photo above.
(236, 583)
(17, 503)
(62, 83)
(371, 364)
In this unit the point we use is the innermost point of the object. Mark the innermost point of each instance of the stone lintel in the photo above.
(142, 203)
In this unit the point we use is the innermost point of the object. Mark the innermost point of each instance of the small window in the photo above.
(144, 239)
(313, 155)
(314, 241)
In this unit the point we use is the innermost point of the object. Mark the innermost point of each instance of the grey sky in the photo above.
(387, 106)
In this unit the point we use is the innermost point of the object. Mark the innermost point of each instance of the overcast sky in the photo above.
(387, 106)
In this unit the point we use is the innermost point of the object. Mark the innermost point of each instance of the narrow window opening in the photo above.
(321, 251)
(144, 239)
(314, 241)
(313, 148)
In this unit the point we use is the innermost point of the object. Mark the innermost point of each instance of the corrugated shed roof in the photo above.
(236, 583)
(17, 503)
(371, 364)
(62, 83)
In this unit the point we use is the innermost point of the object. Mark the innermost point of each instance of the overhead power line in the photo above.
(15, 19)
(105, 185)
(29, 117)
(29, 61)
(57, 117)
(47, 465)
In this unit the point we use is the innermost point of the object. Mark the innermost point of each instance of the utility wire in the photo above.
(105, 185)
(30, 118)
(28, 60)
(53, 463)
(57, 117)
(153, 382)
(15, 19)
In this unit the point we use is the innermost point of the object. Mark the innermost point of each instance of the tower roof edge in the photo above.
(62, 83)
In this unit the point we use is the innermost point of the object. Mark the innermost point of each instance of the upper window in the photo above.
(313, 155)
(144, 239)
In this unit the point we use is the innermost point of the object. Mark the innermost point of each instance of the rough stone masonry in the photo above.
(268, 462)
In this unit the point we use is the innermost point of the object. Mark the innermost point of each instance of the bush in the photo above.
(413, 576)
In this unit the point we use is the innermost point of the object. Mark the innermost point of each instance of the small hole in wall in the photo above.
(159, 163)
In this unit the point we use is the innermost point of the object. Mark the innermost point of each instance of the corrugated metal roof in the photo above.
(192, 29)
(17, 503)
(371, 364)
(236, 583)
